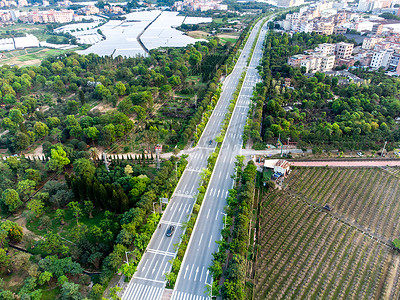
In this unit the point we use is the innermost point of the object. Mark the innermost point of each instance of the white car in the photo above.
(360, 154)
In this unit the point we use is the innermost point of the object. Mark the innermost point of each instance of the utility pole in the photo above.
(383, 150)
(287, 146)
(158, 149)
(176, 171)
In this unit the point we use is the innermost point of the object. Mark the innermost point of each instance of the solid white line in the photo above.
(159, 252)
(209, 243)
(183, 196)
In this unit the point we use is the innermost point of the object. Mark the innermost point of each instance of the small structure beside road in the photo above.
(280, 167)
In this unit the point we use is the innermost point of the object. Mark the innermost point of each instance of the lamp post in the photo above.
(210, 285)
(126, 255)
(224, 219)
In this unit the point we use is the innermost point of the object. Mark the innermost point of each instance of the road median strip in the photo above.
(205, 179)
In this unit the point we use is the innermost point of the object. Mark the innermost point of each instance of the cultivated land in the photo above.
(305, 252)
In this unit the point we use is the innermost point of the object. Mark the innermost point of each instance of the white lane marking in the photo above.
(180, 207)
(209, 243)
(201, 275)
(218, 193)
(227, 175)
(197, 271)
(191, 270)
(187, 268)
(201, 237)
(144, 267)
(216, 215)
(208, 212)
(154, 269)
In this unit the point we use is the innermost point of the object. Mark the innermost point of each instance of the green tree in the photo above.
(88, 208)
(44, 277)
(36, 206)
(76, 210)
(58, 159)
(84, 167)
(70, 291)
(120, 88)
(25, 188)
(10, 201)
(52, 244)
(60, 215)
(92, 133)
(40, 129)
(16, 116)
(4, 260)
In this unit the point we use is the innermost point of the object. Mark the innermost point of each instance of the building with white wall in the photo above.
(381, 59)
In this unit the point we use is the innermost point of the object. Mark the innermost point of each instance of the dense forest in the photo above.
(98, 100)
(79, 226)
(320, 111)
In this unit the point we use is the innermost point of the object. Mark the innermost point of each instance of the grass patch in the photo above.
(66, 230)
(225, 40)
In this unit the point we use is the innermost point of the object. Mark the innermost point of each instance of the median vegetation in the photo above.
(230, 262)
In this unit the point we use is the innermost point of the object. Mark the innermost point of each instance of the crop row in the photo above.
(306, 254)
(363, 196)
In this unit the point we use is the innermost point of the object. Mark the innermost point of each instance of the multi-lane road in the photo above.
(193, 276)
(148, 282)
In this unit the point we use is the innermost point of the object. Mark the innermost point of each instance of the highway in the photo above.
(148, 282)
(194, 276)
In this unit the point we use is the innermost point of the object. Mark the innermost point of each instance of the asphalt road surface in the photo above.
(148, 282)
(193, 276)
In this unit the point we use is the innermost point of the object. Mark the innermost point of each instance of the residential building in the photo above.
(369, 43)
(339, 30)
(325, 28)
(289, 3)
(377, 29)
(48, 16)
(90, 10)
(326, 49)
(327, 63)
(344, 50)
(295, 60)
(381, 59)
(306, 27)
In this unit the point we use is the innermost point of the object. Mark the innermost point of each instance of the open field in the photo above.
(29, 57)
(308, 253)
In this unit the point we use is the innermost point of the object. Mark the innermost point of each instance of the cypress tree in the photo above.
(124, 200)
(109, 189)
(75, 189)
(115, 202)
(67, 179)
(103, 197)
(89, 190)
(96, 193)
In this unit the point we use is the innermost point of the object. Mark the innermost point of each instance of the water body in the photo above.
(156, 28)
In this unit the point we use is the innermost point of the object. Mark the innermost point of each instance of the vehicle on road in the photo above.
(360, 154)
(170, 231)
(210, 142)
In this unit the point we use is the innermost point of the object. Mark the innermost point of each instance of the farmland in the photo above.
(304, 252)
